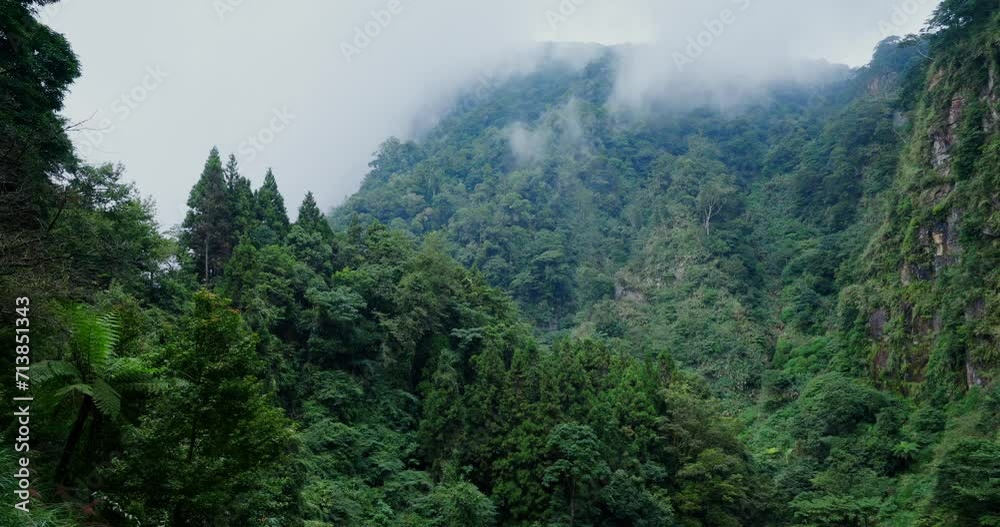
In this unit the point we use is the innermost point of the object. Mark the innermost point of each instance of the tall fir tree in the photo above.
(311, 219)
(271, 212)
(208, 229)
(241, 198)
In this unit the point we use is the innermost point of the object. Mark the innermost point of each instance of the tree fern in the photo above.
(106, 399)
(94, 336)
(89, 362)
(91, 376)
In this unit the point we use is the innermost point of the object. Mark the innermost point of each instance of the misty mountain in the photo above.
(602, 221)
(781, 238)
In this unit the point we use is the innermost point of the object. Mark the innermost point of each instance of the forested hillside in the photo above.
(545, 311)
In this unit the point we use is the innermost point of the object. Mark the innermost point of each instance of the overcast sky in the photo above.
(291, 85)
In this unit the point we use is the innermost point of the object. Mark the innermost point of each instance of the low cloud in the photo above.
(235, 66)
(560, 130)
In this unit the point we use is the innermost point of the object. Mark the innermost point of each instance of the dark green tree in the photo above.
(271, 212)
(37, 66)
(575, 474)
(968, 484)
(208, 229)
(311, 219)
(211, 452)
(241, 199)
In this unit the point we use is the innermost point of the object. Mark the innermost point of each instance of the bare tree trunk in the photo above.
(572, 505)
(62, 469)
(712, 211)
(191, 442)
(206, 259)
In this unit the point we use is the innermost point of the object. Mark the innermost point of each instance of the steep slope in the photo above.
(912, 309)
(644, 229)
(597, 222)
(825, 256)
(929, 280)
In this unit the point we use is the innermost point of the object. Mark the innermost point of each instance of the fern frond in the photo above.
(152, 386)
(94, 336)
(81, 388)
(46, 371)
(107, 400)
(129, 369)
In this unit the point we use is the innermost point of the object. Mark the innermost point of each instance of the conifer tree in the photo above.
(241, 198)
(311, 219)
(271, 211)
(208, 228)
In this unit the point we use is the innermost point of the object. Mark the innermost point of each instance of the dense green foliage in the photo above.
(544, 312)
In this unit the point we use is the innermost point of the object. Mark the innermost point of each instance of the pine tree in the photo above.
(271, 212)
(241, 198)
(311, 219)
(208, 228)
